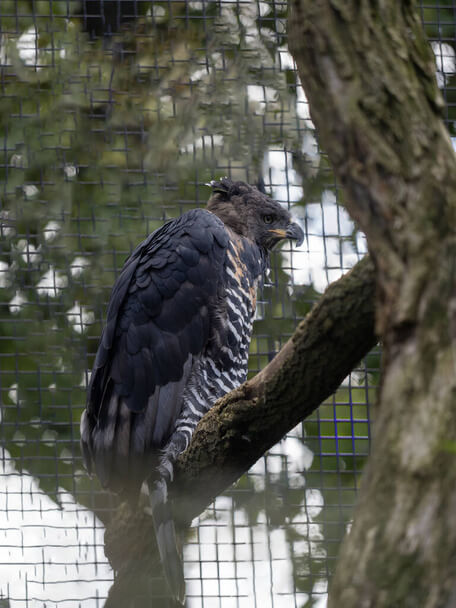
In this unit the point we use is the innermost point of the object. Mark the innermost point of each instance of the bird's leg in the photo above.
(178, 443)
(167, 540)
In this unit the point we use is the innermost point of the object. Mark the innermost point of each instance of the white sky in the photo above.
(48, 553)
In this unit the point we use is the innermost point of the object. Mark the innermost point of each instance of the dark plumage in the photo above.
(176, 339)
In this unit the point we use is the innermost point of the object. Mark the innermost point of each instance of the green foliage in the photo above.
(103, 140)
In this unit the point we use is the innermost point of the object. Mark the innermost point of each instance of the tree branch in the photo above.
(237, 431)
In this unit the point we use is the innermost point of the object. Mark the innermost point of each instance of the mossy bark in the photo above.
(368, 73)
(237, 431)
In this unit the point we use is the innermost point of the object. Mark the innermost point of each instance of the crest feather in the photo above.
(226, 188)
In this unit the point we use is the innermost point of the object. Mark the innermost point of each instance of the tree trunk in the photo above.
(369, 77)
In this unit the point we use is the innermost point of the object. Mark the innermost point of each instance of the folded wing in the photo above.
(159, 321)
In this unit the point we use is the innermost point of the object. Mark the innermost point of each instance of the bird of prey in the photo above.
(176, 339)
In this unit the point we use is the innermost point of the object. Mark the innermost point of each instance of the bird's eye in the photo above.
(268, 219)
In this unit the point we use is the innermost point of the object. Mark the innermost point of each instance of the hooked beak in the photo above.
(294, 231)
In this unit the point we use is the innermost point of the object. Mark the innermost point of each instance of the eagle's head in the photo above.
(252, 214)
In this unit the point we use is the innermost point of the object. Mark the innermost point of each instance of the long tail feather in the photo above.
(165, 533)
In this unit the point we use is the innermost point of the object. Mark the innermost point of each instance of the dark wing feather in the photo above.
(159, 315)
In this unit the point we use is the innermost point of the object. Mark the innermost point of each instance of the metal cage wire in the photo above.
(114, 116)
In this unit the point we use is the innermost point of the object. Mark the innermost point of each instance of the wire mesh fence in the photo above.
(115, 114)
